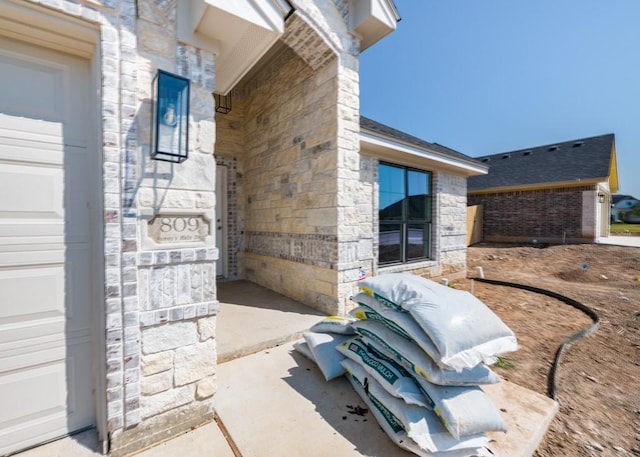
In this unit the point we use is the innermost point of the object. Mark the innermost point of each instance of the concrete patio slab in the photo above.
(205, 441)
(252, 318)
(631, 241)
(276, 402)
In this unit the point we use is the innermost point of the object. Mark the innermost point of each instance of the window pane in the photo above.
(392, 185)
(418, 182)
(418, 200)
(418, 241)
(390, 243)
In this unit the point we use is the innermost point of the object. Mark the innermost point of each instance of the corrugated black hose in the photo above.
(551, 378)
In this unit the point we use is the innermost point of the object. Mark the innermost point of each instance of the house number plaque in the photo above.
(178, 229)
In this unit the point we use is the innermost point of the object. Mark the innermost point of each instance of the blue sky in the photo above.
(490, 76)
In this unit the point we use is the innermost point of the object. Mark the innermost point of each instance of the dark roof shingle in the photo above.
(585, 159)
(397, 135)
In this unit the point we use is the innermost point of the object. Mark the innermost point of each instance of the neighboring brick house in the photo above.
(555, 193)
(109, 259)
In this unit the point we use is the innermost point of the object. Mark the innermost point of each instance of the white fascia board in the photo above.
(406, 154)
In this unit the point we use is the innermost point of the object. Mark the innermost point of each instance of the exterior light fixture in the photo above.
(170, 118)
(223, 103)
(601, 197)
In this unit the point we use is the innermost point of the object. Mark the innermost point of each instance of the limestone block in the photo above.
(206, 388)
(194, 362)
(155, 40)
(179, 199)
(208, 282)
(184, 286)
(156, 383)
(205, 200)
(205, 136)
(207, 328)
(169, 287)
(198, 172)
(169, 336)
(156, 363)
(153, 405)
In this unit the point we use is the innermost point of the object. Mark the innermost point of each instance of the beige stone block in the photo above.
(325, 274)
(152, 405)
(205, 136)
(194, 362)
(205, 200)
(154, 39)
(206, 388)
(169, 336)
(150, 385)
(156, 363)
(179, 199)
(144, 78)
(324, 287)
(207, 328)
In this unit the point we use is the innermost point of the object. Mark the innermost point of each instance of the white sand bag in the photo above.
(334, 324)
(464, 410)
(303, 348)
(400, 322)
(416, 361)
(325, 354)
(391, 376)
(420, 424)
(463, 329)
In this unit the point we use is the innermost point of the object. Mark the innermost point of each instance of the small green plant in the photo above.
(504, 362)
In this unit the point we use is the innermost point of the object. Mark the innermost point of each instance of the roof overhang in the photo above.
(238, 32)
(410, 155)
(550, 185)
(372, 20)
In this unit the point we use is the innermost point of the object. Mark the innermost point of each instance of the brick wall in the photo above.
(549, 215)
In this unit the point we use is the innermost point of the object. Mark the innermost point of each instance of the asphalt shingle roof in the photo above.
(585, 159)
(397, 135)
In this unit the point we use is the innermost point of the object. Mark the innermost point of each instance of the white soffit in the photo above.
(409, 155)
(239, 32)
(372, 20)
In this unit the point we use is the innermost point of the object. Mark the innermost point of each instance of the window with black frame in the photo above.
(405, 214)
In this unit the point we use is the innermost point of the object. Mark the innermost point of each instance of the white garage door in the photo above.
(45, 313)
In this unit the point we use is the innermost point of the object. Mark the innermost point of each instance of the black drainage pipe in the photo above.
(551, 379)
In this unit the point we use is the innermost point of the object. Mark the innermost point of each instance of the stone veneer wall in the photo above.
(160, 304)
(548, 215)
(293, 131)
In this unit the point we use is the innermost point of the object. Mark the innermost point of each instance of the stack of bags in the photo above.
(416, 352)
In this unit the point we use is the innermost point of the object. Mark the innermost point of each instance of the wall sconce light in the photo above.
(223, 103)
(170, 118)
(601, 197)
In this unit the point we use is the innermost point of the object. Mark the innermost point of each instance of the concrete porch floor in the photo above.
(272, 402)
(252, 318)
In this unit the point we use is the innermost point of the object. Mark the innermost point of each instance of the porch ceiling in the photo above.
(238, 32)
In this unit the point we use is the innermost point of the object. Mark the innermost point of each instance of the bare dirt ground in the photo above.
(598, 379)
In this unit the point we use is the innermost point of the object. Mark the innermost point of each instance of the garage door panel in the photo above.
(20, 259)
(77, 313)
(33, 293)
(52, 400)
(45, 80)
(77, 200)
(32, 191)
